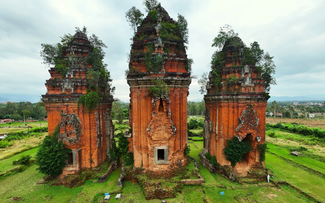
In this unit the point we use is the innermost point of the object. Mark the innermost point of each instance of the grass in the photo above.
(308, 122)
(303, 160)
(6, 164)
(307, 140)
(20, 146)
(19, 126)
(307, 182)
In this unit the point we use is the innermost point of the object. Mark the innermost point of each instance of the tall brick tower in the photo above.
(235, 105)
(159, 80)
(87, 132)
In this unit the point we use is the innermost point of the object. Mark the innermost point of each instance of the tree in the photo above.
(150, 4)
(134, 17)
(203, 83)
(252, 55)
(235, 150)
(52, 155)
(117, 111)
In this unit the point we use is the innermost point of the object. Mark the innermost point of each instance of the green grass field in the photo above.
(23, 185)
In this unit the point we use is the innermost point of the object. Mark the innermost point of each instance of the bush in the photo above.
(52, 155)
(123, 145)
(300, 129)
(128, 159)
(22, 160)
(212, 159)
(235, 150)
(194, 124)
(113, 151)
(272, 134)
(187, 150)
(5, 143)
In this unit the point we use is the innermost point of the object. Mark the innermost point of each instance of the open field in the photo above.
(308, 122)
(24, 185)
(304, 173)
(19, 126)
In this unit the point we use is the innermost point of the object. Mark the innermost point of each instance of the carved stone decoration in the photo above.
(69, 128)
(248, 122)
(161, 122)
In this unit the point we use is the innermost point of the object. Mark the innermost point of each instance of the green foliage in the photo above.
(52, 155)
(226, 33)
(262, 148)
(90, 100)
(113, 151)
(232, 79)
(252, 55)
(117, 112)
(301, 129)
(134, 17)
(187, 150)
(128, 159)
(212, 159)
(188, 66)
(150, 4)
(61, 66)
(160, 89)
(123, 145)
(169, 31)
(182, 28)
(195, 124)
(153, 14)
(5, 143)
(235, 150)
(153, 61)
(25, 159)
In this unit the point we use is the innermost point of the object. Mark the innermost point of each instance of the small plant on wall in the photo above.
(159, 90)
(235, 150)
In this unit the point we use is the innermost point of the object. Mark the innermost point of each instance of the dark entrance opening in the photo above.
(161, 154)
(70, 159)
(246, 157)
(161, 106)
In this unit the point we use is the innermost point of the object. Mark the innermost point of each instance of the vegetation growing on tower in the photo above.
(157, 38)
(63, 58)
(230, 48)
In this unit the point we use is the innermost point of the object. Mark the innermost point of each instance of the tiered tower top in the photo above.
(158, 47)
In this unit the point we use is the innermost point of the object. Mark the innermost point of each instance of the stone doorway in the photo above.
(247, 157)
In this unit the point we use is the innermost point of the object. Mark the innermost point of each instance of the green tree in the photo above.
(150, 4)
(52, 155)
(235, 150)
(134, 17)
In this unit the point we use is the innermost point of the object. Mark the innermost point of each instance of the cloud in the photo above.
(291, 31)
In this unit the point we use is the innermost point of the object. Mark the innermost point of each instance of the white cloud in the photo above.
(291, 30)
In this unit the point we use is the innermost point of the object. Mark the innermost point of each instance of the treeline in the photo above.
(300, 129)
(23, 110)
(120, 110)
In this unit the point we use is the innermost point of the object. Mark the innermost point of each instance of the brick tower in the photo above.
(235, 106)
(159, 80)
(87, 133)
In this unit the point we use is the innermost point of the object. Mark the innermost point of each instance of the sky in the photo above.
(292, 31)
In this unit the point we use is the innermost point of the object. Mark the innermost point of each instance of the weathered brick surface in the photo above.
(235, 109)
(150, 127)
(90, 133)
